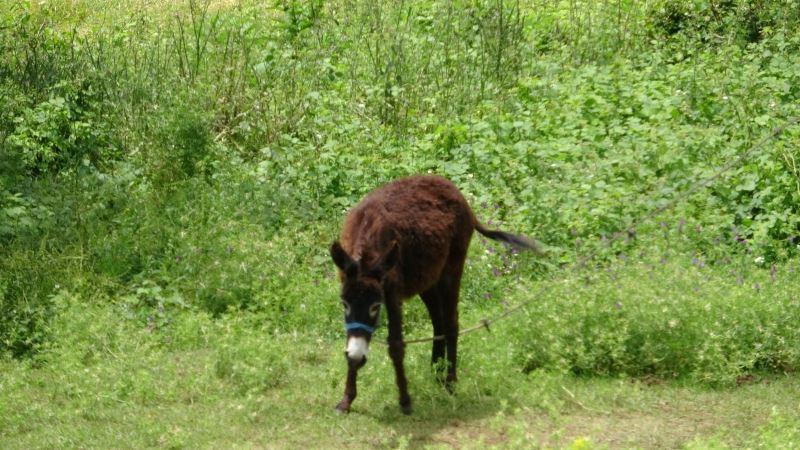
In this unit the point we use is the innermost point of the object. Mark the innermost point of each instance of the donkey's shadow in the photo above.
(439, 417)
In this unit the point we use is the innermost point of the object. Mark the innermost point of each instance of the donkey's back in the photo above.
(426, 216)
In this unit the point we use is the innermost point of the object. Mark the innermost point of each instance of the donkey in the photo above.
(407, 237)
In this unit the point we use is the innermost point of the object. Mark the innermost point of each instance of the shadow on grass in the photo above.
(449, 423)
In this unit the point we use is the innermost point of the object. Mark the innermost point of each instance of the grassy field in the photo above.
(233, 382)
(173, 173)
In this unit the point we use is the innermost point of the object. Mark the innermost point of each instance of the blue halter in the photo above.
(358, 325)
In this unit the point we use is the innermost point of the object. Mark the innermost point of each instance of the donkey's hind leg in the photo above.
(448, 287)
(433, 302)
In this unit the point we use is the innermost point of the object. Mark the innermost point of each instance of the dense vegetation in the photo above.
(171, 176)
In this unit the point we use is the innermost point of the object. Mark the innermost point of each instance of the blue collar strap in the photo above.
(356, 325)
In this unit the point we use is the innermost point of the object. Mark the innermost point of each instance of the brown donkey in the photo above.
(407, 237)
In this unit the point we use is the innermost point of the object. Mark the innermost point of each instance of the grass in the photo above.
(148, 396)
(172, 174)
(186, 379)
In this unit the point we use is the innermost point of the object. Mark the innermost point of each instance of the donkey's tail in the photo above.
(517, 241)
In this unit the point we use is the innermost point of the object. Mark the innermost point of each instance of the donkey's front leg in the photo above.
(397, 353)
(349, 388)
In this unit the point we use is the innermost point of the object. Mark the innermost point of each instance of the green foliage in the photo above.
(666, 319)
(197, 158)
(737, 21)
(172, 174)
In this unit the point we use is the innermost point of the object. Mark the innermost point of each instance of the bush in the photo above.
(669, 319)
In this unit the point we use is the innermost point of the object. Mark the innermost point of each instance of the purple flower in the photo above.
(772, 272)
(487, 295)
(757, 286)
(495, 272)
(618, 305)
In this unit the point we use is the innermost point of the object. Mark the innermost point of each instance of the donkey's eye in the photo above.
(374, 309)
(346, 308)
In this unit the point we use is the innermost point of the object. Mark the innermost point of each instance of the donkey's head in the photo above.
(362, 296)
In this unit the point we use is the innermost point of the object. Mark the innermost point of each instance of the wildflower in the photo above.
(699, 263)
(759, 260)
(487, 295)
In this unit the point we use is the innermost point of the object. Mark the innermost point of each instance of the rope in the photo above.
(484, 323)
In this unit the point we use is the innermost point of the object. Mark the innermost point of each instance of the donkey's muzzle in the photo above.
(356, 364)
(356, 352)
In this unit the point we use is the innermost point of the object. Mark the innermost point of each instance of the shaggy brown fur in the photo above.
(408, 237)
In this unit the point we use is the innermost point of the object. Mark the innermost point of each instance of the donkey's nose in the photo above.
(357, 348)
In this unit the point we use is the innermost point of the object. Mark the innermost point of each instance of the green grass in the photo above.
(130, 389)
(186, 379)
(173, 173)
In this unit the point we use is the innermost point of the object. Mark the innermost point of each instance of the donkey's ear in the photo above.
(342, 260)
(389, 259)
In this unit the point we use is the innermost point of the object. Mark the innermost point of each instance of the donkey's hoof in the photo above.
(342, 408)
(450, 382)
